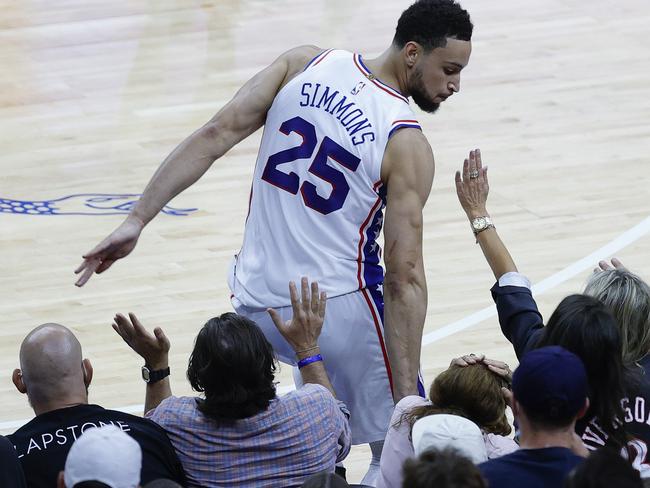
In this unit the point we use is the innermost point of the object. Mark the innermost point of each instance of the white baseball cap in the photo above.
(105, 454)
(441, 430)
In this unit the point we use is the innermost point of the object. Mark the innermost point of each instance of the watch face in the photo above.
(145, 374)
(479, 223)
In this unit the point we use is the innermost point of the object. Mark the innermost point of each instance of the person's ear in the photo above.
(411, 52)
(584, 409)
(516, 408)
(17, 378)
(60, 481)
(88, 371)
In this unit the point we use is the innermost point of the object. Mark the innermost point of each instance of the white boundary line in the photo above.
(625, 239)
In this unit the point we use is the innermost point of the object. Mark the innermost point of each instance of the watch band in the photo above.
(152, 376)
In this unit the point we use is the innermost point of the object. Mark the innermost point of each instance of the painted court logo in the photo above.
(82, 204)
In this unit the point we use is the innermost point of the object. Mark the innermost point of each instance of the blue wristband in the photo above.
(309, 360)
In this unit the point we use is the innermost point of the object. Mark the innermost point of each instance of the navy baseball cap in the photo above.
(551, 382)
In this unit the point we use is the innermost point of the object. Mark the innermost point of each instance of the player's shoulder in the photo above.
(294, 60)
(298, 57)
(408, 144)
(409, 157)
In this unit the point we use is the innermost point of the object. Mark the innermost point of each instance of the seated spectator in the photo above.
(105, 456)
(55, 378)
(11, 473)
(473, 392)
(239, 433)
(580, 323)
(445, 468)
(549, 393)
(604, 468)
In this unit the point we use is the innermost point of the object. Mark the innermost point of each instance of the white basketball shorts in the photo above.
(354, 355)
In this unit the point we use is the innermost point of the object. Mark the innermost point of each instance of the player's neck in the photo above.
(387, 68)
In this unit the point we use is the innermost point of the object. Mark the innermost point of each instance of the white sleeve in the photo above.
(514, 279)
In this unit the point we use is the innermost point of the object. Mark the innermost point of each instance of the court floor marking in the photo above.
(590, 261)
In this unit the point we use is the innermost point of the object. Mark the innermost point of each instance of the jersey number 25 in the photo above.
(328, 149)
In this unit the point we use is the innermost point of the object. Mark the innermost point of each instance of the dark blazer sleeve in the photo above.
(519, 318)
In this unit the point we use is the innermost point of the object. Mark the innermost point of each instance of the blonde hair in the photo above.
(628, 298)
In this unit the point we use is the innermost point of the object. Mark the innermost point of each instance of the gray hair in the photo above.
(628, 298)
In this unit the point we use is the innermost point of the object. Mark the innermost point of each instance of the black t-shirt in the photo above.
(43, 443)
(530, 468)
(636, 420)
(11, 474)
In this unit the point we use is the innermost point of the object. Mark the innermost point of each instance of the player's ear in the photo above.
(411, 52)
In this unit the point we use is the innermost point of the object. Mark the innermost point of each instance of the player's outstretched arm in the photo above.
(239, 118)
(472, 194)
(407, 170)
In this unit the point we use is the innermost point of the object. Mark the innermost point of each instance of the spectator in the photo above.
(473, 392)
(103, 455)
(239, 433)
(56, 378)
(11, 473)
(549, 393)
(580, 323)
(604, 468)
(628, 297)
(445, 468)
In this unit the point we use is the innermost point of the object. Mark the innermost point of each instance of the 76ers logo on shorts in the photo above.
(358, 88)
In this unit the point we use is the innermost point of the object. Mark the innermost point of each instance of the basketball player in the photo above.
(340, 143)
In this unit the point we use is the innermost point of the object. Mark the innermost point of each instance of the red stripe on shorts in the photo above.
(375, 318)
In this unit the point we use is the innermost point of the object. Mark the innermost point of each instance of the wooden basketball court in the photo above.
(95, 94)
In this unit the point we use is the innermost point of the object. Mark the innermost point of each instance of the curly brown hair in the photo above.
(473, 392)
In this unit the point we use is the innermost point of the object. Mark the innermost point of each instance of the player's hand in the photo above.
(497, 367)
(467, 359)
(472, 186)
(116, 246)
(154, 348)
(303, 330)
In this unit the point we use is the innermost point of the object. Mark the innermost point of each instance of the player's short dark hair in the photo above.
(602, 469)
(234, 366)
(445, 468)
(431, 22)
(91, 484)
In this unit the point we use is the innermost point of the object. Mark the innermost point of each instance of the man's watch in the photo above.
(479, 224)
(152, 376)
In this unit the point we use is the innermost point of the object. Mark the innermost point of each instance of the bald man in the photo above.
(55, 377)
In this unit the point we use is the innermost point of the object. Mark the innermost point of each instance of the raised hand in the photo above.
(303, 330)
(153, 348)
(472, 186)
(605, 266)
(116, 246)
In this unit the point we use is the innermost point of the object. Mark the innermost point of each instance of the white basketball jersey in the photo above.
(317, 199)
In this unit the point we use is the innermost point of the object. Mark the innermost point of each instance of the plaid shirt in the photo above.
(298, 435)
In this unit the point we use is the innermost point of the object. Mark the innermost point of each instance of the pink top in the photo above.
(398, 446)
